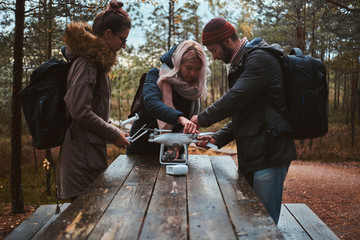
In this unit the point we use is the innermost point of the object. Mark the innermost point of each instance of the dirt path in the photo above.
(332, 191)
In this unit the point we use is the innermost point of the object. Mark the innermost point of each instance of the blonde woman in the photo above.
(172, 94)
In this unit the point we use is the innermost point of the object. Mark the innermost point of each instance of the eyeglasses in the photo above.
(123, 40)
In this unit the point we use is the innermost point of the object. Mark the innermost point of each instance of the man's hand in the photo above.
(121, 141)
(203, 140)
(189, 127)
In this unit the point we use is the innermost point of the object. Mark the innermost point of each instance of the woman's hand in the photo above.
(194, 119)
(189, 127)
(121, 141)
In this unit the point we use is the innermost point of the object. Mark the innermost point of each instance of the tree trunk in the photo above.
(338, 91)
(344, 94)
(313, 36)
(119, 107)
(353, 107)
(35, 158)
(358, 94)
(347, 119)
(50, 19)
(48, 15)
(171, 16)
(357, 77)
(212, 86)
(300, 26)
(16, 178)
(335, 85)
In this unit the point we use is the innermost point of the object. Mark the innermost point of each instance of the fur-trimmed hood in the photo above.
(80, 41)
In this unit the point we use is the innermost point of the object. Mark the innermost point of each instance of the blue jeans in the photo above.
(268, 185)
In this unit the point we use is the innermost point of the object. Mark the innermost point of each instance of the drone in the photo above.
(174, 146)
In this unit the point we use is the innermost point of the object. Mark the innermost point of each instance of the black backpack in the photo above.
(306, 93)
(138, 102)
(43, 103)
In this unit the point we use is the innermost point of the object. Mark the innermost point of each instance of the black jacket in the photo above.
(263, 137)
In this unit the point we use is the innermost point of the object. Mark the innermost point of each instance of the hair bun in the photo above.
(113, 5)
(116, 7)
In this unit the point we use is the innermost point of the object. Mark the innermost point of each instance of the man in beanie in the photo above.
(265, 146)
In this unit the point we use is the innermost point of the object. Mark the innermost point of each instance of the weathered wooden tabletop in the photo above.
(135, 199)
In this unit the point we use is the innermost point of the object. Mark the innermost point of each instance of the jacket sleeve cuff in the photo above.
(224, 135)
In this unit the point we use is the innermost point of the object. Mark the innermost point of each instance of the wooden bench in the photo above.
(297, 221)
(37, 222)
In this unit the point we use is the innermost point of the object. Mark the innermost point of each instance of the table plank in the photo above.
(79, 219)
(130, 203)
(55, 216)
(208, 218)
(248, 215)
(289, 227)
(167, 213)
(312, 224)
(34, 223)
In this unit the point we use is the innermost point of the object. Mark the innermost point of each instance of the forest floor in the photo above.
(331, 190)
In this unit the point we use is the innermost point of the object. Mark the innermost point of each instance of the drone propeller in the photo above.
(136, 136)
(158, 130)
(162, 130)
(205, 133)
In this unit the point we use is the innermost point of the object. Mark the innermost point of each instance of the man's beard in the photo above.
(227, 53)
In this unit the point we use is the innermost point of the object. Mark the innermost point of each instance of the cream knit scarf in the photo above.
(188, 90)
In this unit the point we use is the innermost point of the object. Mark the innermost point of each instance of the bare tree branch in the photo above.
(6, 7)
(343, 6)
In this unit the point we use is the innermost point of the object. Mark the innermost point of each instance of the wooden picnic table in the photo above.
(135, 199)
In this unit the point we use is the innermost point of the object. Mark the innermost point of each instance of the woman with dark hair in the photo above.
(93, 50)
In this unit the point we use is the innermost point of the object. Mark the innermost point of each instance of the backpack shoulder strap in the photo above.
(280, 58)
